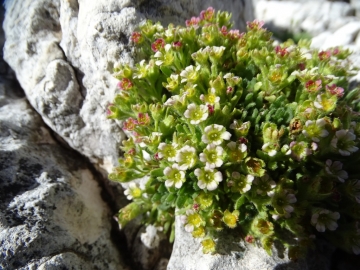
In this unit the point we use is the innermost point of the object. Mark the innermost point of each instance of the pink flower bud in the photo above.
(158, 44)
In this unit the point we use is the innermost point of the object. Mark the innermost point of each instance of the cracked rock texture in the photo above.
(52, 215)
(63, 53)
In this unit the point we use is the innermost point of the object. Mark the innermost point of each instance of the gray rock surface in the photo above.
(63, 53)
(313, 17)
(235, 254)
(52, 215)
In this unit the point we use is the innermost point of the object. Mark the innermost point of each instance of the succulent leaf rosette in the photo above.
(230, 131)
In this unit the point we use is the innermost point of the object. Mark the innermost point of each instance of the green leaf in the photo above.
(156, 198)
(180, 201)
(172, 234)
(157, 172)
(171, 198)
(239, 202)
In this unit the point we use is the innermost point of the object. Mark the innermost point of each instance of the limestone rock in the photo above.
(63, 53)
(234, 254)
(313, 17)
(52, 215)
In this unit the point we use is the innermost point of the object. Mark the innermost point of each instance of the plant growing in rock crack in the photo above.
(227, 130)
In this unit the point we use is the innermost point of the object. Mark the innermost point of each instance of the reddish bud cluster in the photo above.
(335, 90)
(130, 124)
(196, 207)
(136, 37)
(207, 14)
(177, 44)
(256, 24)
(281, 51)
(313, 86)
(194, 21)
(143, 119)
(156, 157)
(158, 44)
(108, 111)
(243, 140)
(249, 238)
(324, 55)
(210, 109)
(301, 66)
(229, 90)
(125, 84)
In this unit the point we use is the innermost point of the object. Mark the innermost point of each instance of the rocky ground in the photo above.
(56, 145)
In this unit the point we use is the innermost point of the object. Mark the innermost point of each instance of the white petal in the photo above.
(158, 54)
(249, 178)
(314, 218)
(340, 133)
(344, 153)
(350, 136)
(289, 208)
(335, 215)
(218, 162)
(201, 184)
(218, 177)
(243, 147)
(210, 165)
(320, 227)
(272, 153)
(332, 225)
(178, 184)
(291, 198)
(169, 183)
(328, 162)
(212, 185)
(202, 157)
(189, 227)
(324, 133)
(167, 171)
(226, 135)
(317, 105)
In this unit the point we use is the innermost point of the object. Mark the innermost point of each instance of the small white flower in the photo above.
(190, 74)
(165, 57)
(191, 220)
(168, 151)
(208, 178)
(325, 219)
(354, 190)
(133, 191)
(186, 157)
(212, 156)
(215, 134)
(175, 176)
(270, 148)
(175, 99)
(210, 98)
(265, 185)
(241, 183)
(217, 52)
(232, 146)
(315, 129)
(281, 202)
(343, 142)
(196, 114)
(335, 168)
(142, 70)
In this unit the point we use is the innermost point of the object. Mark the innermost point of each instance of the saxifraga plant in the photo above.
(228, 130)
